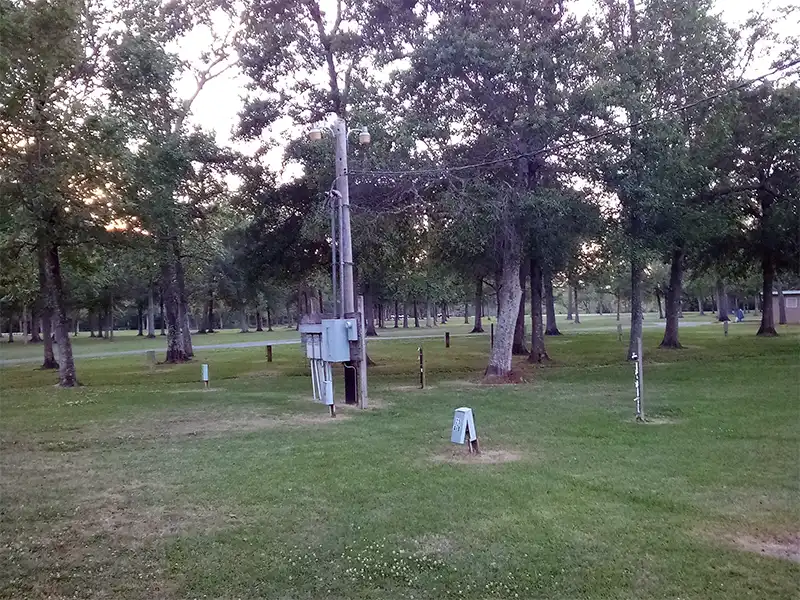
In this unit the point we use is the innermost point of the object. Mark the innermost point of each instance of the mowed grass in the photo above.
(141, 484)
(129, 341)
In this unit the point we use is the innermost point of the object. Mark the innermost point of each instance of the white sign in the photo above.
(463, 426)
(205, 373)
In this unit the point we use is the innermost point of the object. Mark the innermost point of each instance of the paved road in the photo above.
(261, 343)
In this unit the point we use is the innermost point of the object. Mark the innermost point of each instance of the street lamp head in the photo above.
(364, 137)
(315, 134)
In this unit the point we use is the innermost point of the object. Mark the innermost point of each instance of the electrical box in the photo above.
(336, 340)
(463, 426)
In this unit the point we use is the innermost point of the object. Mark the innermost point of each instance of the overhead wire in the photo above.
(583, 140)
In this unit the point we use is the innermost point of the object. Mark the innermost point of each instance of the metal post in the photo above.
(446, 339)
(640, 363)
(334, 256)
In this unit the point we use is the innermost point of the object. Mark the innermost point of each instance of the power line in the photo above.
(583, 140)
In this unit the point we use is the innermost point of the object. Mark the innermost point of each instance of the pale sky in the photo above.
(217, 107)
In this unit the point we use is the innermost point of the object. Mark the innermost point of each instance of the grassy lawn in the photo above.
(127, 340)
(143, 485)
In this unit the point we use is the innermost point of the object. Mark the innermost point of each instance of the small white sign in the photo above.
(205, 373)
(463, 426)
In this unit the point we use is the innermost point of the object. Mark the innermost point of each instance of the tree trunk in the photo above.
(46, 311)
(140, 317)
(519, 348)
(619, 301)
(509, 295)
(551, 327)
(700, 306)
(66, 368)
(243, 328)
(35, 314)
(569, 302)
(466, 313)
(416, 315)
(321, 303)
(577, 319)
(672, 301)
(10, 330)
(478, 327)
(101, 324)
(396, 314)
(269, 318)
(111, 324)
(76, 326)
(767, 327)
(259, 320)
(405, 315)
(428, 322)
(722, 302)
(176, 349)
(658, 299)
(369, 316)
(161, 314)
(636, 308)
(781, 305)
(183, 305)
(538, 351)
(151, 313)
(210, 312)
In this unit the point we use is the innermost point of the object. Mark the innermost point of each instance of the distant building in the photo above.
(792, 300)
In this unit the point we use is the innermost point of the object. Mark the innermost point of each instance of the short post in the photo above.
(491, 335)
(639, 382)
(725, 328)
(151, 357)
(619, 331)
(205, 375)
(421, 369)
(269, 353)
(446, 339)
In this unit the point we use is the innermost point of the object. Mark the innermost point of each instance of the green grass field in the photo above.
(141, 484)
(127, 340)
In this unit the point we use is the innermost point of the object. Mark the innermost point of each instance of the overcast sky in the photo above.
(218, 105)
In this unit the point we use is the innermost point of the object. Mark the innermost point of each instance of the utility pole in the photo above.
(346, 242)
(346, 251)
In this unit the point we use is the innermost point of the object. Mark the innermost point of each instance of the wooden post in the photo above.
(362, 362)
(446, 339)
(491, 335)
(421, 369)
(725, 328)
(619, 331)
(269, 353)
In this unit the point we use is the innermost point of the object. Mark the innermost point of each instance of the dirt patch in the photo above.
(435, 544)
(460, 456)
(655, 420)
(512, 378)
(209, 424)
(786, 547)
